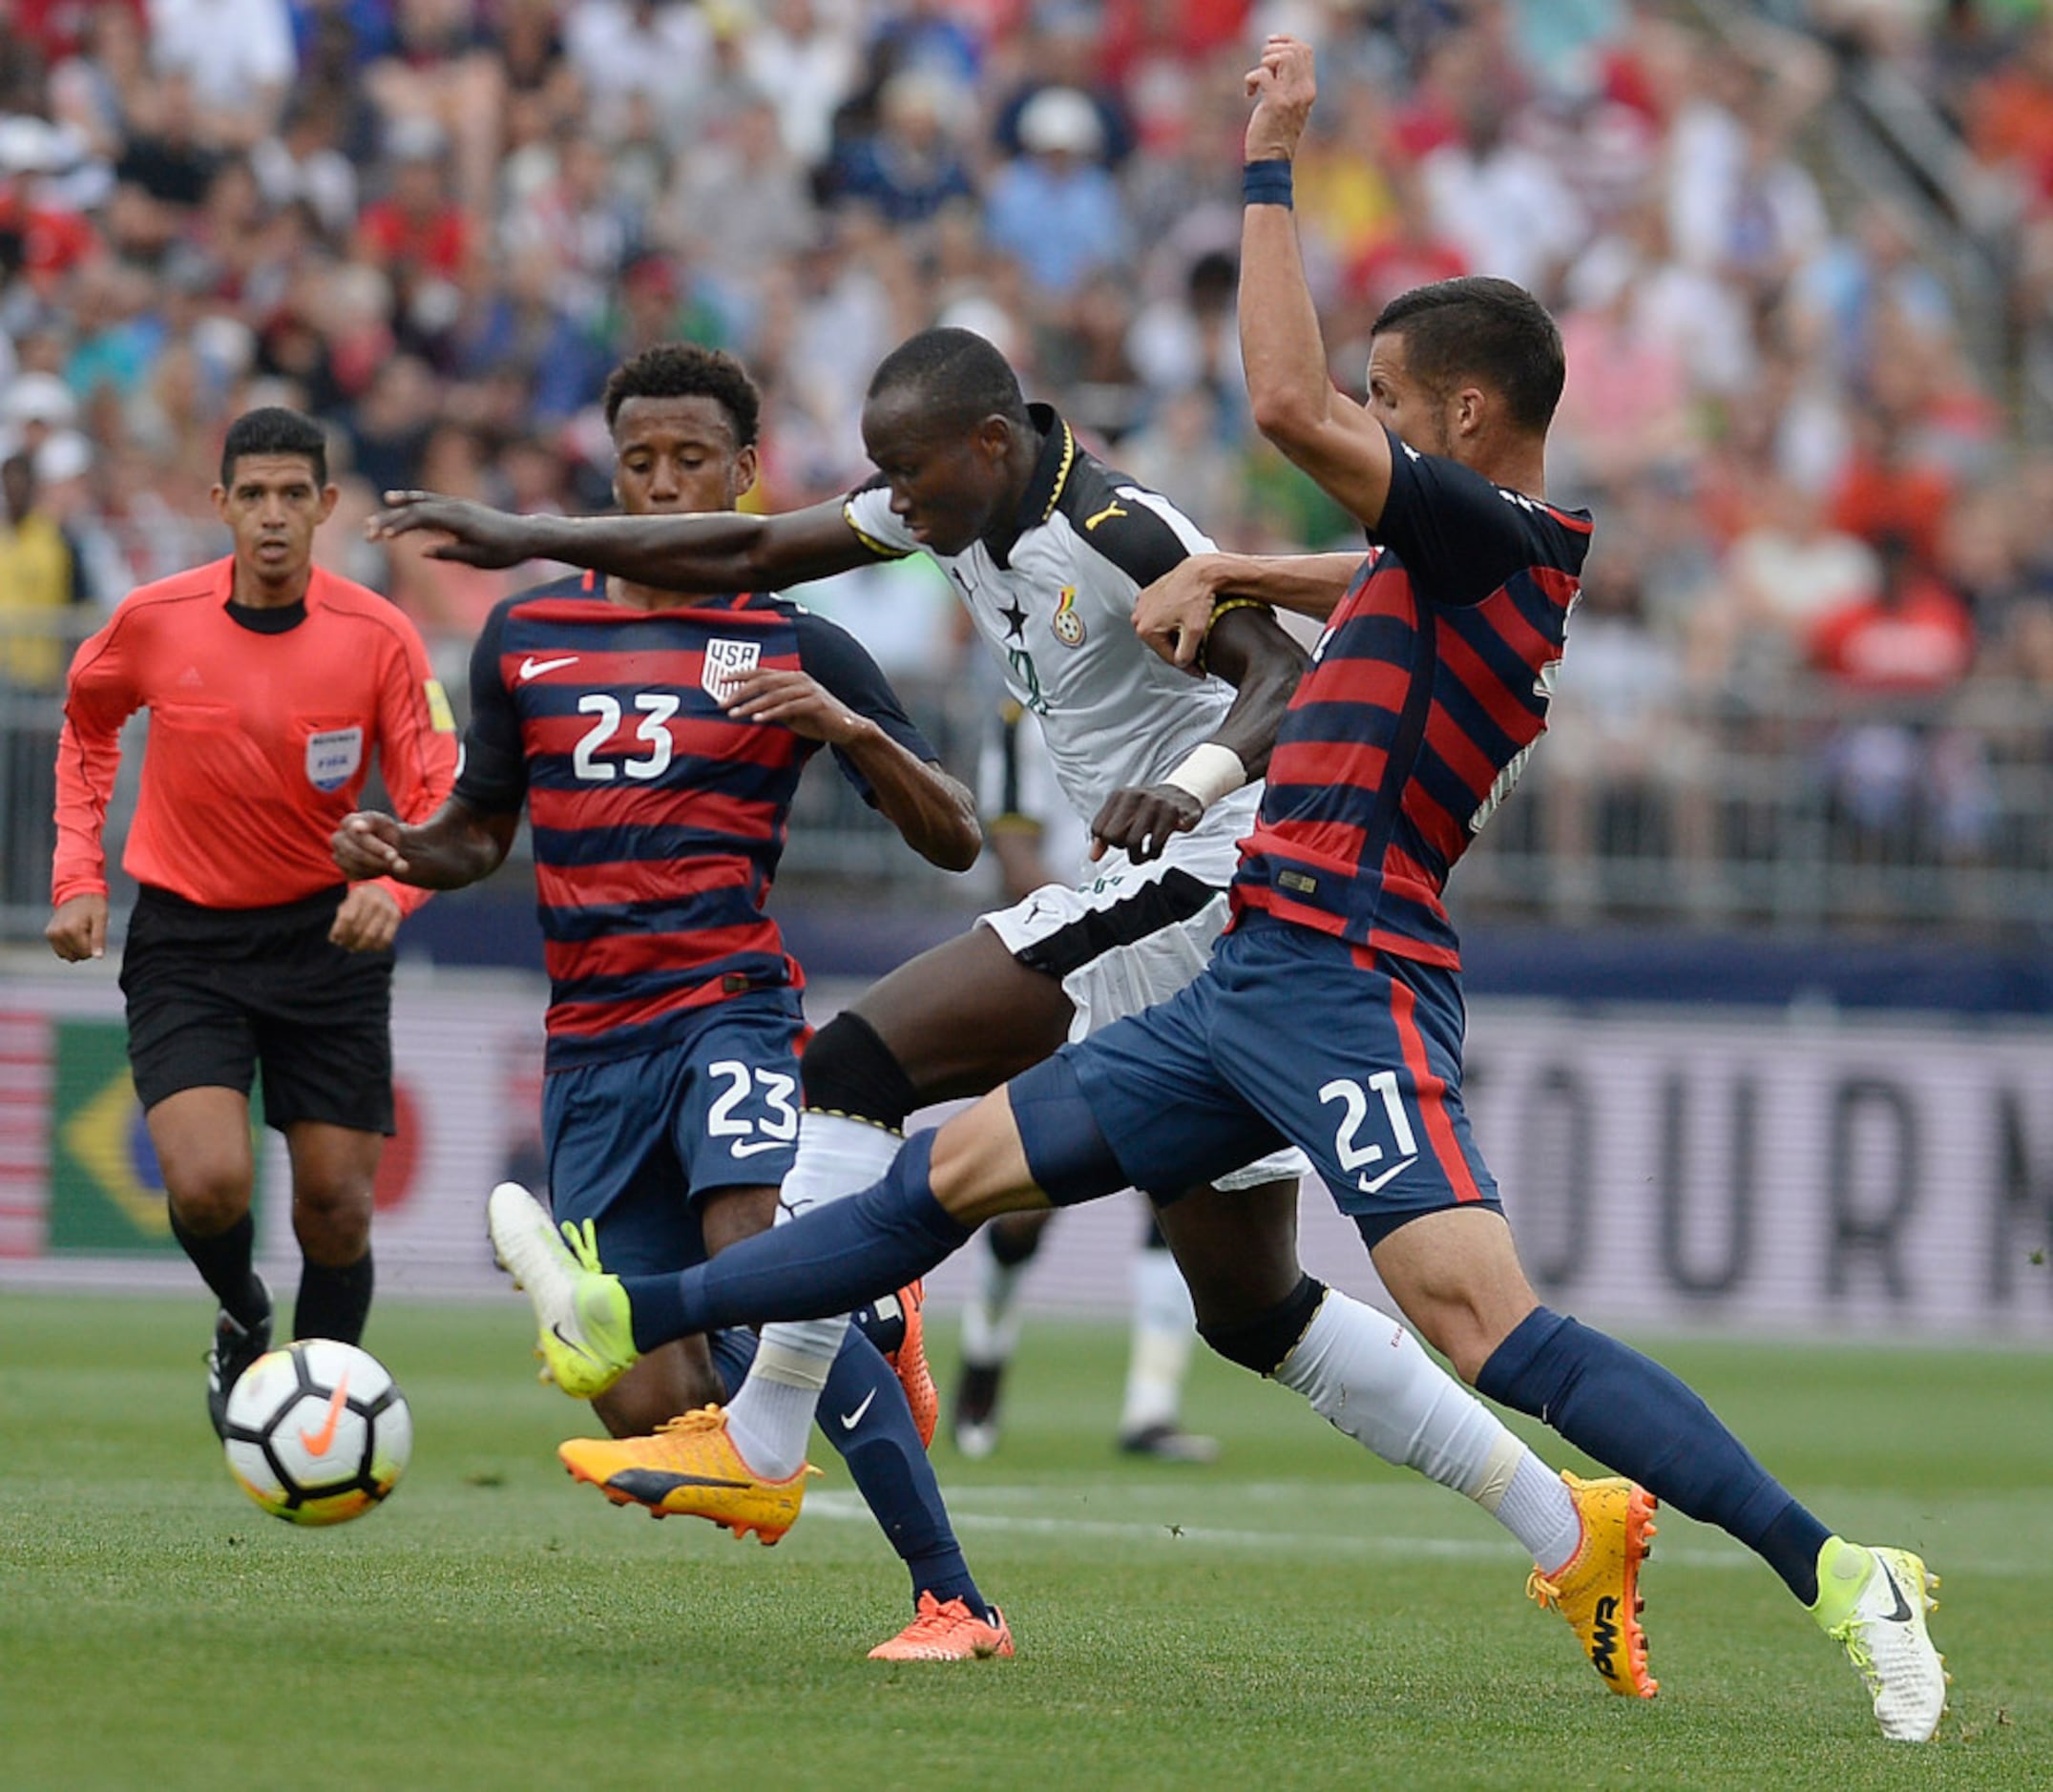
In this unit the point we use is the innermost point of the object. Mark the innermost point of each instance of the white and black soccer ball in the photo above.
(318, 1432)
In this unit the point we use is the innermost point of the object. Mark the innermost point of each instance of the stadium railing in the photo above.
(1794, 809)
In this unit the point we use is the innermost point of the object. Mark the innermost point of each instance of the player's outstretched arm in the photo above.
(1250, 651)
(1174, 615)
(1289, 392)
(934, 814)
(716, 551)
(454, 846)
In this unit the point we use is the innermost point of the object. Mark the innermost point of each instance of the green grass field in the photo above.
(1298, 1616)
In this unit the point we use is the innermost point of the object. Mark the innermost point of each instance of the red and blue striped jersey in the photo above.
(1424, 698)
(657, 820)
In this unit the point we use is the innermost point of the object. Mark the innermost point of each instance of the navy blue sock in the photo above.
(885, 1459)
(1636, 1418)
(733, 1348)
(827, 1262)
(889, 1465)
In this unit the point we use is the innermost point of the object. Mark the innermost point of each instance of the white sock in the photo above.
(770, 1416)
(1165, 1328)
(1366, 1375)
(990, 1316)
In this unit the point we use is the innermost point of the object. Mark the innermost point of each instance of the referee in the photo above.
(268, 682)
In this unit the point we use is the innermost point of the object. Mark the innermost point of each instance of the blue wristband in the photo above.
(1266, 183)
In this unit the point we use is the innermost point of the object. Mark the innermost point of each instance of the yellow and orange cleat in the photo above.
(690, 1466)
(1598, 1592)
(948, 1633)
(910, 1360)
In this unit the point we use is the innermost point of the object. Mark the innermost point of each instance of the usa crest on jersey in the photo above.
(726, 661)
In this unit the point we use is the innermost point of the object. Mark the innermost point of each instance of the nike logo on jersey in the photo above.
(748, 1148)
(1371, 1185)
(851, 1420)
(1112, 509)
(533, 668)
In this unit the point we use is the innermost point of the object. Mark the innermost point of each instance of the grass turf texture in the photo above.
(1298, 1616)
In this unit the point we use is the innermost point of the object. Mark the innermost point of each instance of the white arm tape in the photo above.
(1211, 771)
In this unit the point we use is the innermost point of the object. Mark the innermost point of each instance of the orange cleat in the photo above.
(910, 1360)
(946, 1633)
(1598, 1590)
(689, 1466)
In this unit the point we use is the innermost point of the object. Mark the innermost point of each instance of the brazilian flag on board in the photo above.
(106, 1194)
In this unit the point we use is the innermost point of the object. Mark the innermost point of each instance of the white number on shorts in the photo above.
(721, 1122)
(1353, 1097)
(655, 708)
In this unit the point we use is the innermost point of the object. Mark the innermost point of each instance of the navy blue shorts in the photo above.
(634, 1142)
(1295, 1036)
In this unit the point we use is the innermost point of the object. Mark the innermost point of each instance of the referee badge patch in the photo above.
(333, 756)
(726, 661)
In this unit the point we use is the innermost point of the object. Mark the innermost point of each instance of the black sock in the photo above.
(333, 1302)
(223, 1263)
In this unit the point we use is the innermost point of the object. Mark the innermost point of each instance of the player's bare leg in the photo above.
(208, 1166)
(334, 1175)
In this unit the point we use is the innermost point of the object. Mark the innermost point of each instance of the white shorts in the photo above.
(1131, 937)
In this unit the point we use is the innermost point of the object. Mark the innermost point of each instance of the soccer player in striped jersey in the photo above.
(656, 743)
(1330, 1015)
(1049, 549)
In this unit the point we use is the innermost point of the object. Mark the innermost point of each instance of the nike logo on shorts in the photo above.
(1371, 1185)
(851, 1420)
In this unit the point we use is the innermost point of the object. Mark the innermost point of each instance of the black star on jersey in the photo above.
(1014, 621)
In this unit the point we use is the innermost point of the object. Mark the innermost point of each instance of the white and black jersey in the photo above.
(1054, 602)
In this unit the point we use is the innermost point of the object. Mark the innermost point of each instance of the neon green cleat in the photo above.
(1874, 1602)
(585, 1337)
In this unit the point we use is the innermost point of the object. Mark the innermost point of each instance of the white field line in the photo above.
(963, 1504)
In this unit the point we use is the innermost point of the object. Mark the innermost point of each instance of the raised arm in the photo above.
(1289, 392)
(1250, 651)
(716, 551)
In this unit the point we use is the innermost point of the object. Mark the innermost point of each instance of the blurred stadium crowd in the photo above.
(1825, 556)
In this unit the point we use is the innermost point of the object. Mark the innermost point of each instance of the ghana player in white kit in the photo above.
(1048, 548)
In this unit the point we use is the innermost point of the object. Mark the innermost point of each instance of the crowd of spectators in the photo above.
(437, 223)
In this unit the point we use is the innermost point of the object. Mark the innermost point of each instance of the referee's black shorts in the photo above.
(215, 993)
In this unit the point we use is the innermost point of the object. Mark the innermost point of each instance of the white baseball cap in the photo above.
(39, 398)
(1061, 118)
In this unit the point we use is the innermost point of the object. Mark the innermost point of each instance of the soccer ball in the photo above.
(318, 1432)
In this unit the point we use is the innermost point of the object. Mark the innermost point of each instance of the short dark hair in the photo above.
(687, 370)
(273, 429)
(959, 375)
(1489, 330)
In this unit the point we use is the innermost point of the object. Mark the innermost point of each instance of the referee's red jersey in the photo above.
(259, 744)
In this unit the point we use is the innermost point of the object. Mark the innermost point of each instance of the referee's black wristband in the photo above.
(1266, 183)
